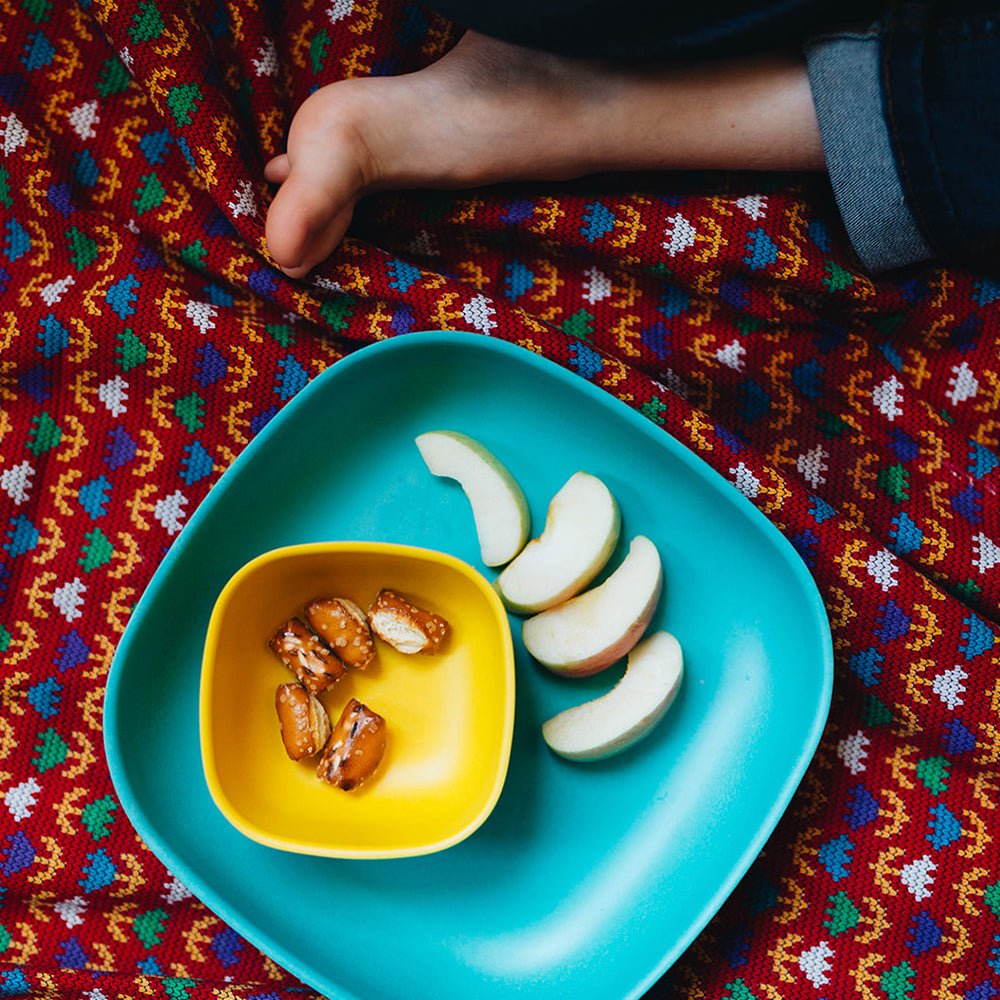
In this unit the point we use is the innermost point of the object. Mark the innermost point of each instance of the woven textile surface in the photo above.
(144, 339)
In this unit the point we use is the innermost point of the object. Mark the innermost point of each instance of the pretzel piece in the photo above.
(355, 747)
(405, 626)
(306, 655)
(305, 726)
(344, 628)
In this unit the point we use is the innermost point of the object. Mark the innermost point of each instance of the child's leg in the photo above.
(489, 112)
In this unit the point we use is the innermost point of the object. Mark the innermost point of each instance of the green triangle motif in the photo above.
(183, 101)
(282, 333)
(97, 550)
(37, 10)
(190, 411)
(82, 248)
(177, 988)
(579, 325)
(991, 897)
(51, 751)
(874, 713)
(843, 914)
(150, 194)
(897, 982)
(317, 50)
(831, 425)
(894, 481)
(98, 816)
(934, 773)
(654, 410)
(45, 434)
(968, 590)
(114, 77)
(837, 278)
(147, 23)
(131, 351)
(148, 927)
(749, 324)
(337, 311)
(194, 254)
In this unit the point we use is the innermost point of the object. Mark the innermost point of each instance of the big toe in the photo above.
(307, 219)
(276, 169)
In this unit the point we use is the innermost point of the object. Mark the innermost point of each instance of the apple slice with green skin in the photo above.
(499, 507)
(581, 531)
(612, 723)
(594, 629)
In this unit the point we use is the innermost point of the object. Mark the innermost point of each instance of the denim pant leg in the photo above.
(909, 112)
(653, 29)
(941, 80)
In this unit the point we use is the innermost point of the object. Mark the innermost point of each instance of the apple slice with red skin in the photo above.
(591, 631)
(629, 711)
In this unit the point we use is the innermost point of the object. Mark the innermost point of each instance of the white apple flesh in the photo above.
(619, 719)
(499, 507)
(594, 629)
(581, 531)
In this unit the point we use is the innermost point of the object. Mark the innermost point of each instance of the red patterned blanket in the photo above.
(144, 339)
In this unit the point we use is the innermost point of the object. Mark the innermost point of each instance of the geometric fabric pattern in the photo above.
(145, 338)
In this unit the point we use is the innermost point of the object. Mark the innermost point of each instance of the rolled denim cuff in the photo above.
(845, 79)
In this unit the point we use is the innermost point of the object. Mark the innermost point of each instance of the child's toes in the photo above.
(324, 242)
(297, 214)
(312, 208)
(276, 169)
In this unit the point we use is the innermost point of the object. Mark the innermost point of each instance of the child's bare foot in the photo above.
(489, 112)
(485, 112)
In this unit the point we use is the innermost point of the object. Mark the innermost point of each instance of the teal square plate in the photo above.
(587, 880)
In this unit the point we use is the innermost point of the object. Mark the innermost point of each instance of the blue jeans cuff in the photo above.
(845, 80)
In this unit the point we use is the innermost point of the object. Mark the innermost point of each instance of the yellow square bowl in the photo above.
(449, 715)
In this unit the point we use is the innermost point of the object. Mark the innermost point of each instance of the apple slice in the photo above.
(615, 721)
(581, 531)
(499, 507)
(594, 629)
